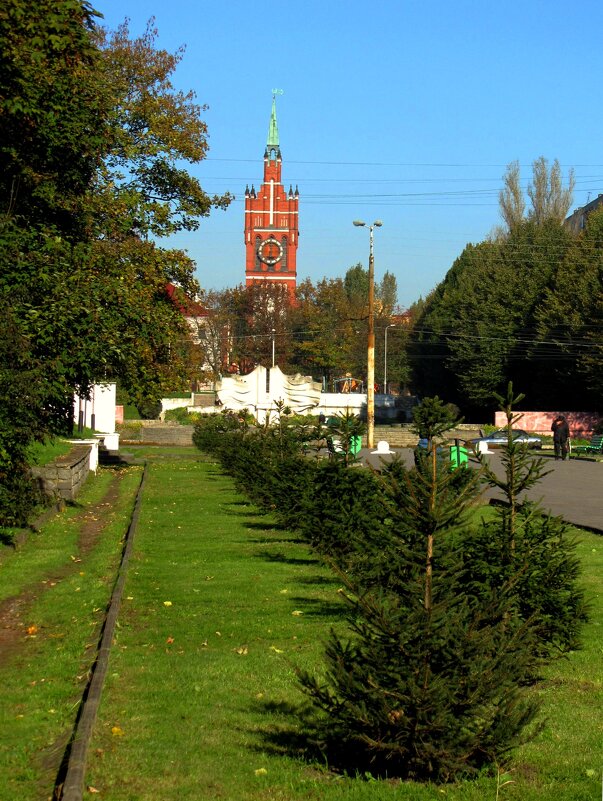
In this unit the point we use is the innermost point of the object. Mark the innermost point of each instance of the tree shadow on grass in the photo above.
(318, 607)
(288, 730)
(250, 512)
(268, 526)
(322, 581)
(269, 540)
(298, 732)
(271, 556)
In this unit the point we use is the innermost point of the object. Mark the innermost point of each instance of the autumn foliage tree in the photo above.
(93, 150)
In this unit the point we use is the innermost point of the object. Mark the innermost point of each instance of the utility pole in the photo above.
(370, 365)
(391, 325)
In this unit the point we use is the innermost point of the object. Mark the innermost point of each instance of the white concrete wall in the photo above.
(174, 403)
(93, 455)
(101, 405)
(338, 402)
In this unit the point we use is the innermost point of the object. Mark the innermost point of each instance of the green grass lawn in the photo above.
(201, 697)
(53, 594)
(41, 453)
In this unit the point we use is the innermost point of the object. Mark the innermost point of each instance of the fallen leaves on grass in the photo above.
(167, 603)
(296, 613)
(242, 650)
(261, 772)
(32, 631)
(117, 731)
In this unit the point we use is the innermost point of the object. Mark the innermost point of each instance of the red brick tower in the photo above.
(271, 221)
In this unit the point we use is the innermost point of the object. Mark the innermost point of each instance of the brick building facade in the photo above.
(271, 221)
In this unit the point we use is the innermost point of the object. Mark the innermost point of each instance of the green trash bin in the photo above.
(355, 445)
(458, 456)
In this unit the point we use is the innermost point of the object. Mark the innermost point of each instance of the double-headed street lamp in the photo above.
(391, 325)
(370, 368)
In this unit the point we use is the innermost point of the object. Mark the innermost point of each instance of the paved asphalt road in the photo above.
(572, 490)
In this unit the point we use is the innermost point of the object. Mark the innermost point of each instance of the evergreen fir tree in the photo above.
(430, 683)
(528, 550)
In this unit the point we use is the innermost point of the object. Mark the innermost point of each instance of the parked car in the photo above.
(498, 439)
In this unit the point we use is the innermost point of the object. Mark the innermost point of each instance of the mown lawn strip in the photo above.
(221, 605)
(43, 679)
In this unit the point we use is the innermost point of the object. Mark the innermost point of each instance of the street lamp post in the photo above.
(391, 325)
(273, 348)
(370, 368)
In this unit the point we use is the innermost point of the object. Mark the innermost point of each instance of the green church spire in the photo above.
(273, 129)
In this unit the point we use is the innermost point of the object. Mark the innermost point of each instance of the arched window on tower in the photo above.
(284, 265)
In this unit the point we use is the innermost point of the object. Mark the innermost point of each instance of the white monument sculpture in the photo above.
(260, 391)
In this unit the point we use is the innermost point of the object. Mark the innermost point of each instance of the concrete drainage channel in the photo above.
(69, 785)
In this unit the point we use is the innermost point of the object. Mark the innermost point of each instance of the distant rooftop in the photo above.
(577, 219)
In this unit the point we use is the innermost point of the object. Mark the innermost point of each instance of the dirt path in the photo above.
(13, 610)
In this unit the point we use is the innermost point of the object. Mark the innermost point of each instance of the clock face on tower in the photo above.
(270, 251)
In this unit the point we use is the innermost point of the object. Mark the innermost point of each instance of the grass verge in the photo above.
(201, 700)
(41, 453)
(53, 596)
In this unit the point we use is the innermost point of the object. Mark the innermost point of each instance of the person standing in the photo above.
(560, 431)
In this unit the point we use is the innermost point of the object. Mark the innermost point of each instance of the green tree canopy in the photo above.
(93, 148)
(478, 330)
(155, 131)
(569, 320)
(53, 112)
(326, 329)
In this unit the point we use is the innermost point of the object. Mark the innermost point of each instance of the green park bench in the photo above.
(595, 445)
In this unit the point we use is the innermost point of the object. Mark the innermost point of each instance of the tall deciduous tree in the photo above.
(144, 189)
(550, 200)
(51, 144)
(92, 147)
(387, 294)
(326, 328)
(154, 131)
(511, 198)
(53, 113)
(94, 303)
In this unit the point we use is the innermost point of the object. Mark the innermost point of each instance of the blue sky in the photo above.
(407, 112)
